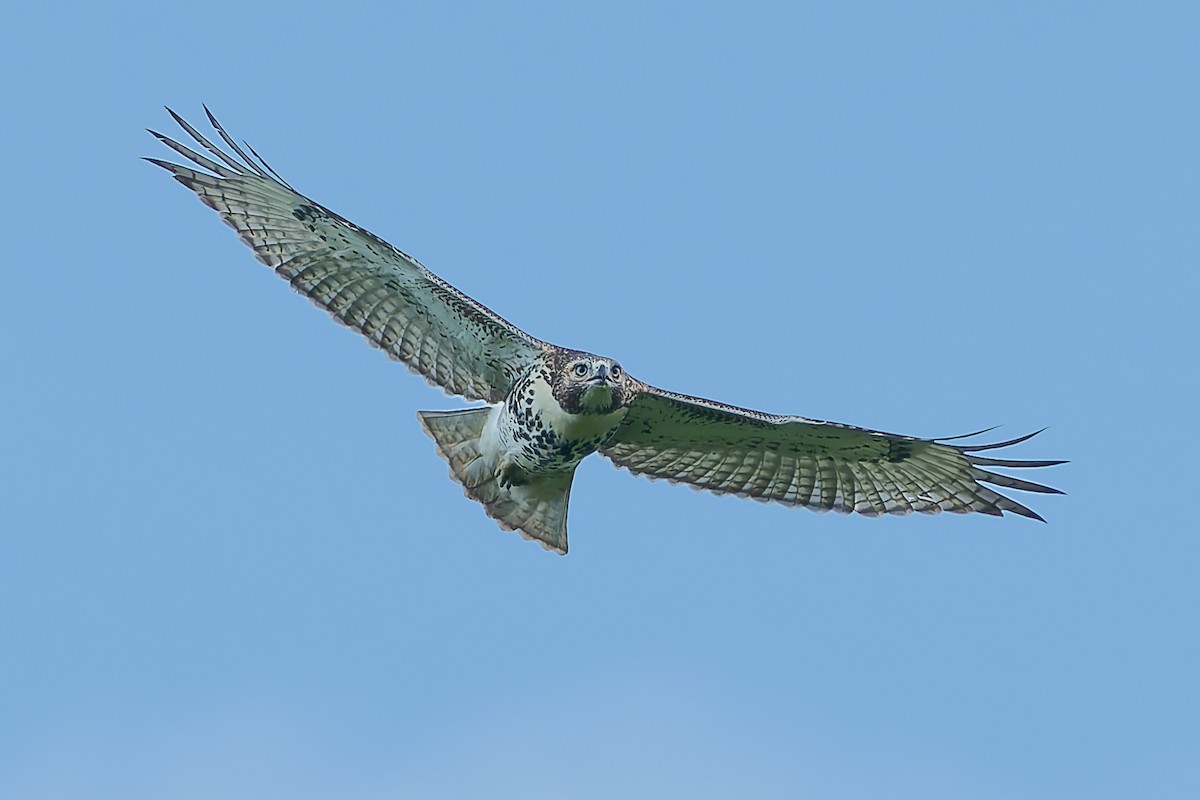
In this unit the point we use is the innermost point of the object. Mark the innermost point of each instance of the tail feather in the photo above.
(536, 509)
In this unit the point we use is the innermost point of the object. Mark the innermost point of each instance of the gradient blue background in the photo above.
(231, 564)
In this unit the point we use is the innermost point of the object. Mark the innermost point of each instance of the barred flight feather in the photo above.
(361, 280)
(832, 467)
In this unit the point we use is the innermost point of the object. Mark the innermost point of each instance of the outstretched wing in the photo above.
(364, 282)
(805, 462)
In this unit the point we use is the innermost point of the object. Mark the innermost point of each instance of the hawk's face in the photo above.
(587, 384)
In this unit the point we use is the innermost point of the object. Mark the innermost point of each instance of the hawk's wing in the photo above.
(806, 462)
(364, 282)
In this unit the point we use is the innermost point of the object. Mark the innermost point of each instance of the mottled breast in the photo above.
(540, 436)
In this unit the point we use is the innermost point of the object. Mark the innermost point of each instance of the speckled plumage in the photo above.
(550, 407)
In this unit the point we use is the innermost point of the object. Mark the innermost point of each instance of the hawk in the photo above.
(548, 407)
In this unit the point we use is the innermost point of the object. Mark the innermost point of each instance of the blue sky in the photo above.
(231, 564)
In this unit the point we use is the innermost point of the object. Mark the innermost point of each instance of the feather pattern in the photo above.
(364, 282)
(552, 406)
(825, 466)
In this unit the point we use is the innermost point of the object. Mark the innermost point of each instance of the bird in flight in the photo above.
(548, 407)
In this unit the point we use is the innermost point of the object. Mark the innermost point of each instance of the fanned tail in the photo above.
(536, 509)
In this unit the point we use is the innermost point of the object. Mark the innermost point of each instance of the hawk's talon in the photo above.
(510, 475)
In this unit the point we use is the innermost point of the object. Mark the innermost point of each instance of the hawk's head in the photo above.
(587, 384)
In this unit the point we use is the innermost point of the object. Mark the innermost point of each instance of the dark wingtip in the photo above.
(1013, 507)
(1034, 516)
(973, 448)
(965, 435)
(158, 162)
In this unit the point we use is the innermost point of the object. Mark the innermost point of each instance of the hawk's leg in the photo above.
(510, 475)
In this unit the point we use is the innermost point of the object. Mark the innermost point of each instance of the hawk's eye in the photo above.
(581, 369)
(616, 371)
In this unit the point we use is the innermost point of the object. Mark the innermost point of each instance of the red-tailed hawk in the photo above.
(549, 406)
